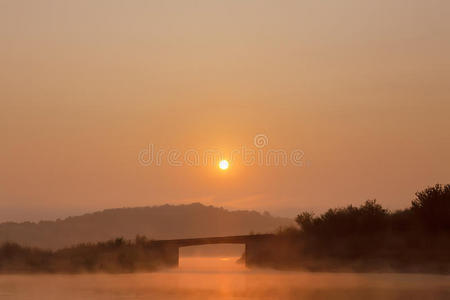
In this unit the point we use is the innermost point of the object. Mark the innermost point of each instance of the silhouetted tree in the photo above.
(432, 207)
(306, 221)
(368, 218)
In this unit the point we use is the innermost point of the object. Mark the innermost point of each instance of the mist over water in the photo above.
(223, 278)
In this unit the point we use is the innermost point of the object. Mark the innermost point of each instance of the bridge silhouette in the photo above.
(254, 245)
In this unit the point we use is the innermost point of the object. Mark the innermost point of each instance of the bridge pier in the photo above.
(167, 254)
(172, 255)
(254, 251)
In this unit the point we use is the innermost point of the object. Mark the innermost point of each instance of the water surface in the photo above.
(222, 278)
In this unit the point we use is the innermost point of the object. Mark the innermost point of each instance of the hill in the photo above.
(156, 222)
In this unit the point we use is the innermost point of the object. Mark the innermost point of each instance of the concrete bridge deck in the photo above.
(253, 245)
(235, 239)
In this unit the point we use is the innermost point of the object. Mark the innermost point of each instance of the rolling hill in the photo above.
(156, 222)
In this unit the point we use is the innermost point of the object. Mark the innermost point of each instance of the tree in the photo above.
(432, 207)
(305, 220)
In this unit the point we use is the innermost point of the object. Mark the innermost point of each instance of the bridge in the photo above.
(255, 245)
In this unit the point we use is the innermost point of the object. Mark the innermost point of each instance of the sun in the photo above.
(223, 164)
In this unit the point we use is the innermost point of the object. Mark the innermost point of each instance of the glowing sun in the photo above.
(223, 164)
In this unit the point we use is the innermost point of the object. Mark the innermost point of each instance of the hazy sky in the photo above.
(361, 87)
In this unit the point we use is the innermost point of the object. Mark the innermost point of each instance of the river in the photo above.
(222, 278)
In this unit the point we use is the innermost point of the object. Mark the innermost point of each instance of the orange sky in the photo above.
(361, 87)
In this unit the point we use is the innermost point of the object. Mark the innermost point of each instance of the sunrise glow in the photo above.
(223, 164)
